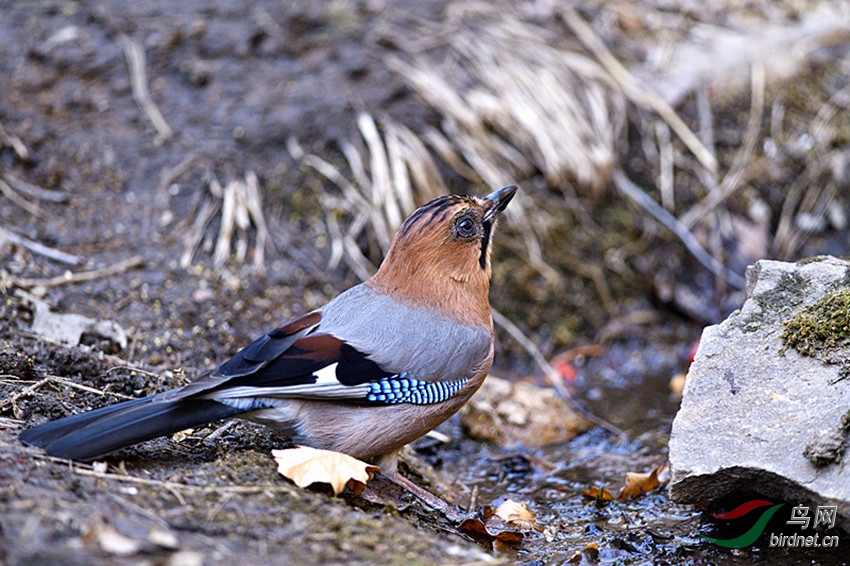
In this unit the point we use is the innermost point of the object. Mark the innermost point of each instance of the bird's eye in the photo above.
(465, 228)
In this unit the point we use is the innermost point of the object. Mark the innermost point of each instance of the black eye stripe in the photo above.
(485, 243)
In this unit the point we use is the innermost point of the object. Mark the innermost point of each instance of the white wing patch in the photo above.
(325, 387)
(327, 375)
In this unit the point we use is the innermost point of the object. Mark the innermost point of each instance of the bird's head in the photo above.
(440, 257)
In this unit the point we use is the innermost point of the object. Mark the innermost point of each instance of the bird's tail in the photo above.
(90, 435)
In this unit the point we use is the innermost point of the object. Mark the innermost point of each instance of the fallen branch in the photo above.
(80, 277)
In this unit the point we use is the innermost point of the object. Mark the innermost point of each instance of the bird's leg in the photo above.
(389, 469)
(433, 501)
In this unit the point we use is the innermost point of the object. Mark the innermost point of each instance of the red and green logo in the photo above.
(755, 531)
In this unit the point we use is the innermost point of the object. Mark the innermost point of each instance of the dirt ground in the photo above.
(233, 91)
(244, 87)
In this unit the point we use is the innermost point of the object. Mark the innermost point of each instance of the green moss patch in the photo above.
(821, 328)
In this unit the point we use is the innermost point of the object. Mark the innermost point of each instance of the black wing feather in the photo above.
(355, 368)
(287, 356)
(90, 435)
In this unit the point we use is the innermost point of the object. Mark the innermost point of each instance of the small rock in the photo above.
(511, 414)
(828, 447)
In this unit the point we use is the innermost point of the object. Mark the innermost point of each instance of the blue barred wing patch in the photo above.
(402, 389)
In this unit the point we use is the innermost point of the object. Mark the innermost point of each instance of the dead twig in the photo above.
(175, 486)
(387, 183)
(666, 159)
(132, 370)
(194, 235)
(35, 191)
(55, 379)
(13, 196)
(170, 176)
(639, 197)
(13, 141)
(40, 249)
(552, 375)
(79, 277)
(135, 54)
(240, 205)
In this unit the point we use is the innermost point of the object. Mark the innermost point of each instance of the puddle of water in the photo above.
(628, 386)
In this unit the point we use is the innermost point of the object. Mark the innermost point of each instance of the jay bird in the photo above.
(373, 370)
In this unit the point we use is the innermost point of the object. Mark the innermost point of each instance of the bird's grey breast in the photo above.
(401, 337)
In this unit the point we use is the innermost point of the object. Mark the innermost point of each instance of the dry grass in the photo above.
(396, 175)
(238, 209)
(544, 96)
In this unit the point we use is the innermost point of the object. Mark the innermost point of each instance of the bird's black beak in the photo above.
(499, 201)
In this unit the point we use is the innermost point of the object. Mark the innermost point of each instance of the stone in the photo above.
(521, 414)
(758, 417)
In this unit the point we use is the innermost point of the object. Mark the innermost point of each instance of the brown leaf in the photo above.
(637, 484)
(501, 526)
(587, 555)
(306, 466)
(600, 494)
(385, 492)
(493, 531)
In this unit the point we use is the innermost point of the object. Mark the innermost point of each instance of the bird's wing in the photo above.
(404, 338)
(304, 360)
(252, 358)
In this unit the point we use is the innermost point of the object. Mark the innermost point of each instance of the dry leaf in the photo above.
(306, 466)
(386, 493)
(587, 555)
(517, 515)
(600, 494)
(69, 328)
(637, 484)
(182, 435)
(493, 531)
(502, 526)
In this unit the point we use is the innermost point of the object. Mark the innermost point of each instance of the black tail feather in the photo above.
(93, 434)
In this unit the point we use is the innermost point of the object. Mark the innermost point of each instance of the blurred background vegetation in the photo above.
(661, 146)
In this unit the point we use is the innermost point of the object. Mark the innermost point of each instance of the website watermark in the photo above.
(824, 518)
(803, 541)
